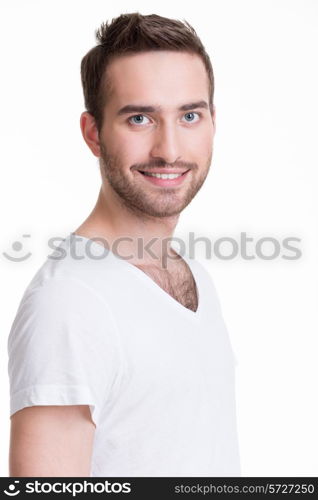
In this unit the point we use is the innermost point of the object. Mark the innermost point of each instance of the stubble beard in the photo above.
(165, 203)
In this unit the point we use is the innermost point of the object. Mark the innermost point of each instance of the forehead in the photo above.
(163, 78)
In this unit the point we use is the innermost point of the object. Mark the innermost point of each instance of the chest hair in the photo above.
(177, 281)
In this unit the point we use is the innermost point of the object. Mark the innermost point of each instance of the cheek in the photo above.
(198, 144)
(129, 147)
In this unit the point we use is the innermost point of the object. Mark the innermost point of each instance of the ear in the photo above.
(90, 132)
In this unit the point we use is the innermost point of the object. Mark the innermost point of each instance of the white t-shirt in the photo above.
(94, 329)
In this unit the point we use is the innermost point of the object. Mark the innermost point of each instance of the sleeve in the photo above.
(62, 348)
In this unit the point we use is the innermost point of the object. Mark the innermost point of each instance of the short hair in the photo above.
(129, 34)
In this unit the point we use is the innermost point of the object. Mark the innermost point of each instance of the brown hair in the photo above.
(132, 33)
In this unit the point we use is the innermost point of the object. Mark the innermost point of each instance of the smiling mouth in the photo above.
(163, 175)
(164, 179)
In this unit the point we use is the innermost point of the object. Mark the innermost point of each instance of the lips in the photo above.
(163, 171)
(164, 181)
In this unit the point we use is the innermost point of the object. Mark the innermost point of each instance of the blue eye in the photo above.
(138, 120)
(190, 117)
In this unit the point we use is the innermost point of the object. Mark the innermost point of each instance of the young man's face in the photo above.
(157, 119)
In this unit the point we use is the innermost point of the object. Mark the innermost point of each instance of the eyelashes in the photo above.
(139, 119)
(131, 118)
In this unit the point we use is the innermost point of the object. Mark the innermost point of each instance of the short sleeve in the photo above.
(62, 348)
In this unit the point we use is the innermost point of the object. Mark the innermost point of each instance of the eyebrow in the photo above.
(136, 108)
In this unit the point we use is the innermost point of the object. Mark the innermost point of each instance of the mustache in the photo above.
(162, 163)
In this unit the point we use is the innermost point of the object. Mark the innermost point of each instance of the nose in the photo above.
(165, 144)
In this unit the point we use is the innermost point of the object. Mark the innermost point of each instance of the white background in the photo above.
(263, 181)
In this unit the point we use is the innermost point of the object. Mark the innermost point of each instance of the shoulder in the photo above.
(72, 271)
(59, 310)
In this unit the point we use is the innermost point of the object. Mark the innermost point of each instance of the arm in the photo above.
(51, 441)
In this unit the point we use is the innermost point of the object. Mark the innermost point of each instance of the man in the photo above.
(122, 365)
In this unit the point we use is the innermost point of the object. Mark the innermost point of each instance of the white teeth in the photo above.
(163, 176)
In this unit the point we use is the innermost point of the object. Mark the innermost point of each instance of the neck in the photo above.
(137, 237)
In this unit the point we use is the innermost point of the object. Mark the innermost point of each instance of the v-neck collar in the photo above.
(151, 283)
